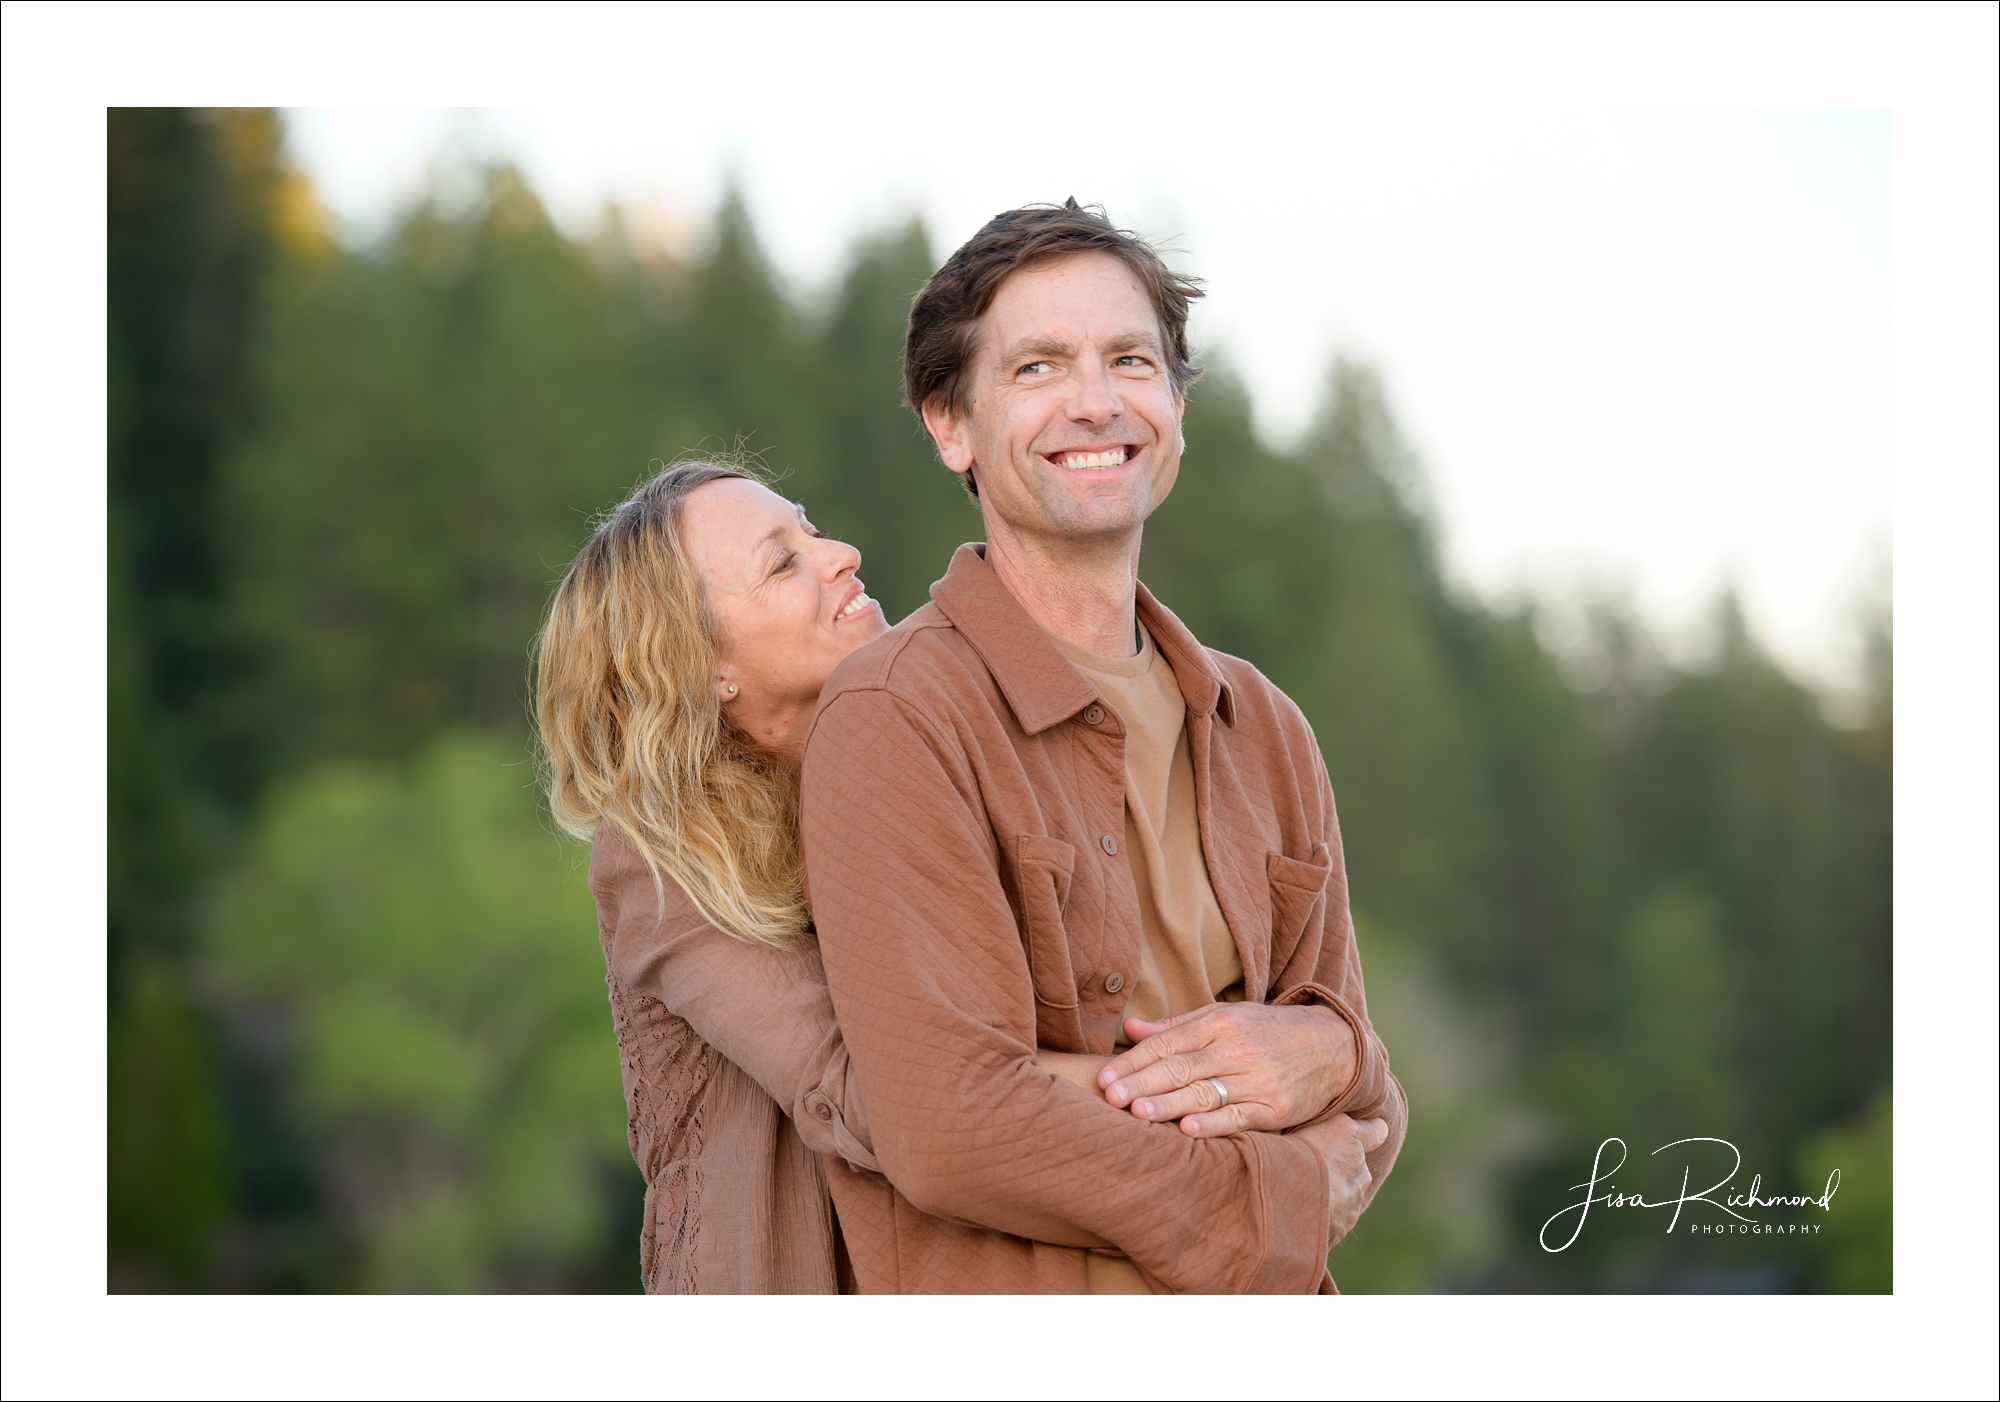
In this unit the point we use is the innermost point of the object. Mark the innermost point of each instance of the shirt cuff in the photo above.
(1364, 1088)
(829, 1132)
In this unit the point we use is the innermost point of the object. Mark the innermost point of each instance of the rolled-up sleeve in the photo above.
(765, 1009)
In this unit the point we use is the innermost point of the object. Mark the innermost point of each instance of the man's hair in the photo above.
(944, 317)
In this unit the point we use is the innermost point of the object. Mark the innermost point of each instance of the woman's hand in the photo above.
(1281, 1067)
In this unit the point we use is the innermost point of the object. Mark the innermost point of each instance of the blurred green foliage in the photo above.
(425, 938)
(1856, 1246)
(358, 1031)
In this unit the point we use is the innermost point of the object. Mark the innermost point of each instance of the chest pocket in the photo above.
(1296, 887)
(1043, 867)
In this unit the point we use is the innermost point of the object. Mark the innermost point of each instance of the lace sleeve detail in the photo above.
(666, 1072)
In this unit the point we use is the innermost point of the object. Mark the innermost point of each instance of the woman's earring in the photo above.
(732, 688)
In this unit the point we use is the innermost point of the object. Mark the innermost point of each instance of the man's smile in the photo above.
(1093, 459)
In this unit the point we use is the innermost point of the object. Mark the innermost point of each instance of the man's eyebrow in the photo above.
(1131, 341)
(1034, 348)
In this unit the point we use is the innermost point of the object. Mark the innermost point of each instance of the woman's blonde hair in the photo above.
(632, 732)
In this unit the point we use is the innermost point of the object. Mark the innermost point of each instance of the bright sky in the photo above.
(1646, 348)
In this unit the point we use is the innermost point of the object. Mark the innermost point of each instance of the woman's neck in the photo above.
(777, 728)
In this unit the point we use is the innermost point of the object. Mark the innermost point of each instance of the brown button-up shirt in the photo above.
(960, 820)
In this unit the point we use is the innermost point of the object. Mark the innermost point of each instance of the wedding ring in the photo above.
(1220, 1089)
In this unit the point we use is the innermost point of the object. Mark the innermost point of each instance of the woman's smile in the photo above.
(856, 604)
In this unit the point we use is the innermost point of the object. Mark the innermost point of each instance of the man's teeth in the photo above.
(1085, 462)
(861, 601)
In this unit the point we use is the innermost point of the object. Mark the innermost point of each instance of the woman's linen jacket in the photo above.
(736, 1081)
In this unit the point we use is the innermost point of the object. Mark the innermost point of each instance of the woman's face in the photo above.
(786, 598)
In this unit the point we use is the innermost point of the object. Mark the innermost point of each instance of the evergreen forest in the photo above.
(359, 1038)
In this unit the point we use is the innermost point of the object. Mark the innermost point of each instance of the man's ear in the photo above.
(951, 431)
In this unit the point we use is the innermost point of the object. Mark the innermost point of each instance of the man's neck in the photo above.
(1081, 591)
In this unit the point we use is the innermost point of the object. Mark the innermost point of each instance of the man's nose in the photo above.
(1096, 398)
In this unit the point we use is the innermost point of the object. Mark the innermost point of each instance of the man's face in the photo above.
(1074, 429)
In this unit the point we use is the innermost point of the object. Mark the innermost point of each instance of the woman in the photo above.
(678, 671)
(735, 1076)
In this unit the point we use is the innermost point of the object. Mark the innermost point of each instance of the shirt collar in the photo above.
(1040, 685)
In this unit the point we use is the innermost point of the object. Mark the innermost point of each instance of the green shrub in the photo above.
(431, 940)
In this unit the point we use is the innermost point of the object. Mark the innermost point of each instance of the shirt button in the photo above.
(1093, 714)
(1109, 843)
(1113, 982)
(825, 1112)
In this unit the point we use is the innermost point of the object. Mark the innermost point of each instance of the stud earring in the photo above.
(732, 688)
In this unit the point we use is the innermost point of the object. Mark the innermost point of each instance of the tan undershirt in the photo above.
(1187, 957)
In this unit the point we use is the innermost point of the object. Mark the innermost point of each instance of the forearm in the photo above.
(767, 1010)
(1035, 1156)
(1079, 1069)
(781, 1031)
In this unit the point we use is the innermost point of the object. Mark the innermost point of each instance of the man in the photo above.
(1038, 808)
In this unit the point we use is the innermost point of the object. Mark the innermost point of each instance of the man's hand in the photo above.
(1281, 1067)
(1345, 1143)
